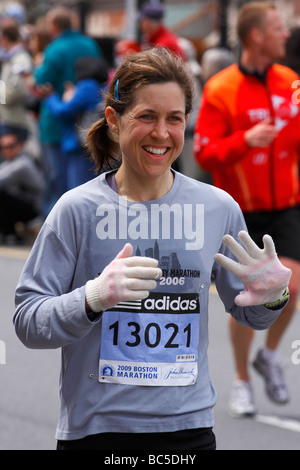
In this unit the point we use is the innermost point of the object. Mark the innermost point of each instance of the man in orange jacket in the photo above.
(247, 135)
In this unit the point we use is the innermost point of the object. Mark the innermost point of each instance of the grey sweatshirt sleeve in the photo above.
(48, 313)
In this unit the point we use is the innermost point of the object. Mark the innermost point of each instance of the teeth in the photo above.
(156, 151)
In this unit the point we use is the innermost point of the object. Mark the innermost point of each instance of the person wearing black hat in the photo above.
(154, 31)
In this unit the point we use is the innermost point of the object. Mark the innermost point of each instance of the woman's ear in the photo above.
(112, 122)
(111, 119)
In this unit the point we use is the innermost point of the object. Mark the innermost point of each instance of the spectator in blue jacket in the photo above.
(80, 106)
(58, 67)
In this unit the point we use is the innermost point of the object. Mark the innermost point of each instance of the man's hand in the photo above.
(126, 278)
(264, 277)
(69, 91)
(262, 134)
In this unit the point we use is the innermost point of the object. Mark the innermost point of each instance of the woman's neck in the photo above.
(135, 188)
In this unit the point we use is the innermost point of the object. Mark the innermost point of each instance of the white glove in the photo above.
(264, 277)
(126, 278)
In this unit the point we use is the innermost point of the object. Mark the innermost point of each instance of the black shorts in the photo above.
(188, 440)
(283, 226)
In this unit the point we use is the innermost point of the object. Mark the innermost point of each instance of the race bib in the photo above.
(152, 342)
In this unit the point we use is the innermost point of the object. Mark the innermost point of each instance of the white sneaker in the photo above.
(241, 403)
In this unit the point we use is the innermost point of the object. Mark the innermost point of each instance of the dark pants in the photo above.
(12, 210)
(189, 440)
(282, 225)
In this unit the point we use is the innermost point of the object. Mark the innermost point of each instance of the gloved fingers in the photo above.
(141, 272)
(240, 253)
(141, 261)
(229, 264)
(253, 250)
(269, 246)
(140, 284)
(133, 295)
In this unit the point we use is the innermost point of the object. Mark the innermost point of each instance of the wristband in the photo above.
(278, 303)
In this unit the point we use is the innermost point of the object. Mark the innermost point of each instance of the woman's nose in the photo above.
(160, 130)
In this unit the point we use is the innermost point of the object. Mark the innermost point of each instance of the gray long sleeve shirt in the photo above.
(142, 366)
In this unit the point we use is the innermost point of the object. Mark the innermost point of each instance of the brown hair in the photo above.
(11, 31)
(252, 16)
(154, 66)
(61, 16)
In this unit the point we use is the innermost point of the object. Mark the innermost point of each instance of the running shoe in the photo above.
(241, 403)
(275, 384)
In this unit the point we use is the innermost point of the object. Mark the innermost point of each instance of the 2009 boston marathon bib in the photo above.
(152, 342)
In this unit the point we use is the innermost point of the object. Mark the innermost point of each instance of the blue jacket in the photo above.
(88, 94)
(59, 67)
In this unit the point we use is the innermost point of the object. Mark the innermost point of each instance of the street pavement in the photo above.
(29, 380)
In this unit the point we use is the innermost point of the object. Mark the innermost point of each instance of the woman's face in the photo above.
(151, 131)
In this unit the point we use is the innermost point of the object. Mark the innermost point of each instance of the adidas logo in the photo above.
(163, 303)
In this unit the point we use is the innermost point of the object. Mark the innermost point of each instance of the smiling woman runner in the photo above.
(111, 278)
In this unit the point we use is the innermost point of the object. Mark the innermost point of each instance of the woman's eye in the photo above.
(146, 116)
(176, 118)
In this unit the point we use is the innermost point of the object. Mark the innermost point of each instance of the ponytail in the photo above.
(102, 148)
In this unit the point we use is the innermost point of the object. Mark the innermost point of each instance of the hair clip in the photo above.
(116, 90)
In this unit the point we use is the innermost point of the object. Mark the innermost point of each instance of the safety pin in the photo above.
(92, 376)
(200, 290)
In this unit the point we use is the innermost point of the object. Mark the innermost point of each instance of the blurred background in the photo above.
(29, 400)
(206, 23)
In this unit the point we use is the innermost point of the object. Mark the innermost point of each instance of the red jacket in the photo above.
(163, 37)
(233, 101)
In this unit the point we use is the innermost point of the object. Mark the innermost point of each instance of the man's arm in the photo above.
(214, 143)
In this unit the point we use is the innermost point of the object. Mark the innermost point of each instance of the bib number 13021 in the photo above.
(152, 334)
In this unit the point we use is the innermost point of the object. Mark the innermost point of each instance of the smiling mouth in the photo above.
(159, 152)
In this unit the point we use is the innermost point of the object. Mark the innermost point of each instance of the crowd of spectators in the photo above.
(54, 77)
(243, 131)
